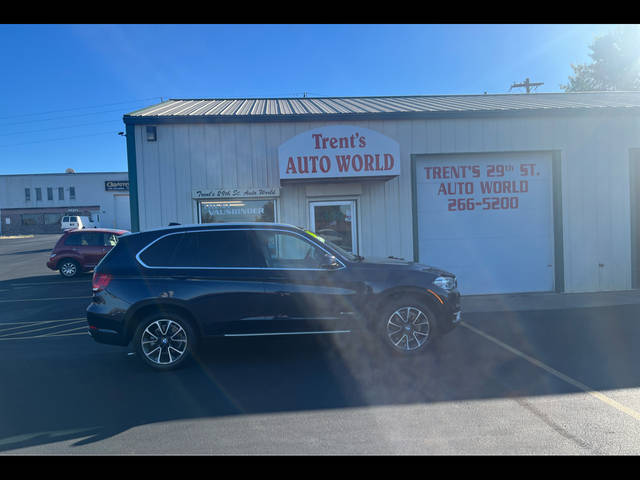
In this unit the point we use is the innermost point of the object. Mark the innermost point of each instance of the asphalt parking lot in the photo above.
(543, 381)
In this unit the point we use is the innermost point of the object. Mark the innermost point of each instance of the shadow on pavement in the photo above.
(89, 392)
(43, 281)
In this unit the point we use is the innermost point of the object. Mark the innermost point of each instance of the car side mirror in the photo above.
(329, 262)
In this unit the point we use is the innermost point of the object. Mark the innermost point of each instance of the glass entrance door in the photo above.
(335, 221)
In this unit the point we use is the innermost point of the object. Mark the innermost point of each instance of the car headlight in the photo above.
(446, 283)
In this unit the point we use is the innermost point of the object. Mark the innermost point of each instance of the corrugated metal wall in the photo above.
(595, 173)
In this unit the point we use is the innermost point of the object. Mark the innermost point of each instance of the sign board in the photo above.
(235, 192)
(116, 185)
(239, 210)
(338, 151)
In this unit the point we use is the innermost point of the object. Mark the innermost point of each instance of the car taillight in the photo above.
(100, 281)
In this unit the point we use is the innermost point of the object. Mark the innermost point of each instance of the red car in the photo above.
(80, 250)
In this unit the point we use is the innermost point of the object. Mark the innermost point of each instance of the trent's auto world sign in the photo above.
(339, 151)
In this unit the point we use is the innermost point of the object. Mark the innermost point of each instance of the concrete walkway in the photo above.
(547, 301)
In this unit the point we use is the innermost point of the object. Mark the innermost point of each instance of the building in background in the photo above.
(35, 203)
(513, 193)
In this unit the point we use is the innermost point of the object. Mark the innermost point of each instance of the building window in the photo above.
(72, 193)
(31, 219)
(237, 210)
(152, 134)
(60, 193)
(51, 218)
(27, 194)
(49, 193)
(38, 194)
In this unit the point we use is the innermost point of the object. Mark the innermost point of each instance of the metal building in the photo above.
(36, 203)
(513, 193)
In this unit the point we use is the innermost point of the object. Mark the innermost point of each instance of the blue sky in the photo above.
(65, 88)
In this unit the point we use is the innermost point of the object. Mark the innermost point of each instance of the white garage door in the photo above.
(488, 218)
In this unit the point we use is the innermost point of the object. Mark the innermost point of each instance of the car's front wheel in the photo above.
(164, 341)
(407, 326)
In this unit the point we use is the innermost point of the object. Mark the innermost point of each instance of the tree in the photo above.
(615, 66)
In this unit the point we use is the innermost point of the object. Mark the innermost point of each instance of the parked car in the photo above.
(164, 290)
(80, 250)
(69, 222)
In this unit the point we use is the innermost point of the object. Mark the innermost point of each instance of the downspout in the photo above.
(133, 178)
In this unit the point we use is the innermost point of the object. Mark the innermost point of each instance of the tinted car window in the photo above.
(221, 248)
(287, 250)
(227, 248)
(73, 239)
(85, 239)
(110, 239)
(160, 253)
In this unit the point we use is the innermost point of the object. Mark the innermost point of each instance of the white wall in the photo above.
(89, 190)
(594, 152)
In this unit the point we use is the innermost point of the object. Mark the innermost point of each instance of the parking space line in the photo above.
(41, 299)
(63, 333)
(86, 332)
(585, 388)
(30, 328)
(38, 322)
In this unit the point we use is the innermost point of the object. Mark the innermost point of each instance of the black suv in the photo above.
(166, 289)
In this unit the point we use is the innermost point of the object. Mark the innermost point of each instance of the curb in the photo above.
(547, 301)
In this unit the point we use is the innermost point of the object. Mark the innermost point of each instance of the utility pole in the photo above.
(527, 84)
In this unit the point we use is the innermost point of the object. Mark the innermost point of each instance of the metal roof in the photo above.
(297, 109)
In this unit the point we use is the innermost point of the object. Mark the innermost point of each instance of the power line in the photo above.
(59, 128)
(59, 118)
(112, 132)
(80, 108)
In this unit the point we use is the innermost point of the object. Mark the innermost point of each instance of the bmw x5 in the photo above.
(163, 291)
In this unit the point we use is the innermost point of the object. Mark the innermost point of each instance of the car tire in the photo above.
(164, 341)
(407, 326)
(69, 268)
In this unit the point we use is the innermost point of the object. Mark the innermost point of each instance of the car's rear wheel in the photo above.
(69, 268)
(407, 326)
(164, 341)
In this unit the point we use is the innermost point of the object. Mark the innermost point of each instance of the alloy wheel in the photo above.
(68, 269)
(164, 342)
(408, 329)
